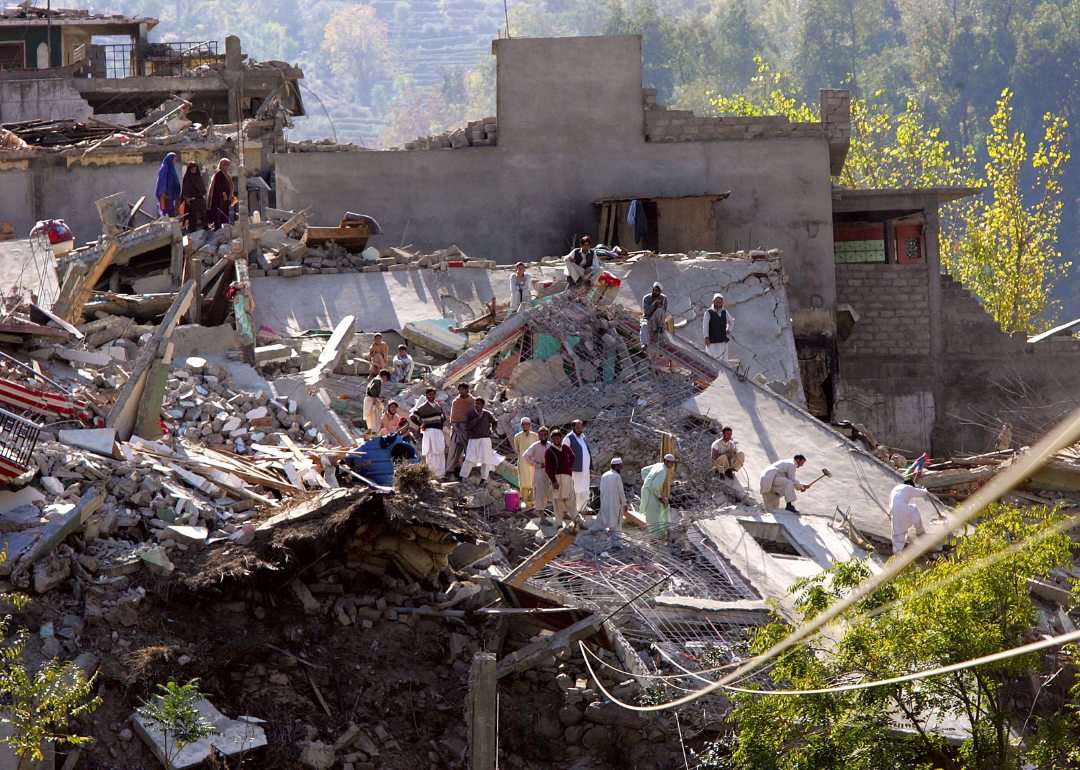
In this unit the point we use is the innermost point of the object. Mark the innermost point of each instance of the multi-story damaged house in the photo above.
(83, 116)
(884, 338)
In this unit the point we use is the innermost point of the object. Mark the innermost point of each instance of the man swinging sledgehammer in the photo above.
(778, 481)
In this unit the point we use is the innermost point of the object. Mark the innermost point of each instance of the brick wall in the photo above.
(664, 125)
(893, 305)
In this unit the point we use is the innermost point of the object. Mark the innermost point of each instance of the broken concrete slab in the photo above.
(101, 441)
(185, 534)
(235, 736)
(549, 646)
(18, 519)
(25, 496)
(157, 561)
(334, 352)
(87, 357)
(62, 525)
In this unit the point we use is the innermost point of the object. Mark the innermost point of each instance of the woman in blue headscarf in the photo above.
(168, 186)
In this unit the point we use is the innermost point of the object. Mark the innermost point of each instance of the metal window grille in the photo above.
(161, 59)
(18, 437)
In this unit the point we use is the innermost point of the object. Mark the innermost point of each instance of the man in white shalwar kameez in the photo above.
(904, 513)
(427, 415)
(612, 499)
(582, 464)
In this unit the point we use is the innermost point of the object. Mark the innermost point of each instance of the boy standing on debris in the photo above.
(481, 427)
(534, 458)
(459, 433)
(373, 408)
(403, 365)
(520, 289)
(582, 464)
(582, 264)
(904, 513)
(653, 505)
(427, 415)
(778, 480)
(612, 499)
(522, 441)
(378, 354)
(559, 467)
(726, 457)
(715, 326)
(653, 313)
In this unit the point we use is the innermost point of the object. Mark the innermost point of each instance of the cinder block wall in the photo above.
(886, 379)
(891, 382)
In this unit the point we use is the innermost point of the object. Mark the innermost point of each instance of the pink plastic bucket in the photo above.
(512, 500)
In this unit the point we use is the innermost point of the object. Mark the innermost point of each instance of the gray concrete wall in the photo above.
(44, 99)
(571, 132)
(48, 188)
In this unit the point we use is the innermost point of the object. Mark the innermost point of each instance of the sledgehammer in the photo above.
(824, 472)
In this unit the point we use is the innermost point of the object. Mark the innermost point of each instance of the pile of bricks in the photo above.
(479, 133)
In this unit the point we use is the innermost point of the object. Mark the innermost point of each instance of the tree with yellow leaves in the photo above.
(356, 45)
(1004, 246)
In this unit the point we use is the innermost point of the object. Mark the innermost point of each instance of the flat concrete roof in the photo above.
(895, 197)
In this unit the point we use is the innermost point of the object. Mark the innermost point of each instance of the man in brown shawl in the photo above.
(219, 200)
(193, 196)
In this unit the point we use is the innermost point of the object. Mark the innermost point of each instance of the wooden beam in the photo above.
(541, 556)
(539, 652)
(125, 410)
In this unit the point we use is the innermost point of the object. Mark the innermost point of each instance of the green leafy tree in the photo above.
(173, 711)
(1006, 248)
(965, 606)
(38, 705)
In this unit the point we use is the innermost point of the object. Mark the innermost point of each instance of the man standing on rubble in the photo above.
(582, 464)
(459, 427)
(481, 427)
(778, 480)
(522, 441)
(559, 467)
(403, 365)
(905, 514)
(715, 326)
(654, 506)
(378, 354)
(427, 415)
(726, 457)
(534, 458)
(520, 289)
(653, 314)
(612, 499)
(373, 408)
(582, 264)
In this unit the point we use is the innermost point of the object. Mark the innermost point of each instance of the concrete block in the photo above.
(153, 284)
(235, 736)
(290, 271)
(84, 356)
(186, 535)
(98, 440)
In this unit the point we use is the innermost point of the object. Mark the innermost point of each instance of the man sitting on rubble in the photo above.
(373, 407)
(559, 467)
(654, 505)
(582, 264)
(481, 427)
(726, 457)
(653, 314)
(778, 480)
(378, 354)
(459, 427)
(534, 458)
(612, 499)
(391, 421)
(522, 441)
(403, 365)
(715, 326)
(905, 514)
(427, 415)
(520, 289)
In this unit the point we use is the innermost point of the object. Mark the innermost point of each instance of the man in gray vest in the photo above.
(715, 326)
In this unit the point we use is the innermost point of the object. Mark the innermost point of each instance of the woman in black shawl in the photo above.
(193, 196)
(219, 200)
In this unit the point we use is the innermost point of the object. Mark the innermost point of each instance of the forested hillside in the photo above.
(390, 70)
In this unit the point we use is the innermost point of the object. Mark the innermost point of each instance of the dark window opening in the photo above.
(12, 56)
(772, 538)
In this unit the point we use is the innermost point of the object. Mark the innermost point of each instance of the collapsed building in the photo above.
(191, 491)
